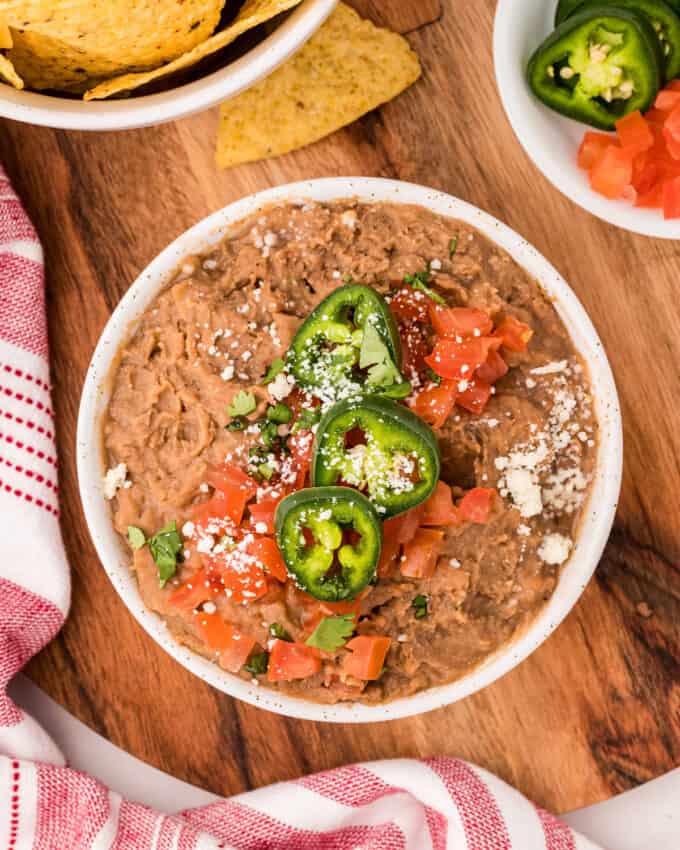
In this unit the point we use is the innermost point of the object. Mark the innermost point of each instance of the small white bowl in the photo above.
(596, 522)
(549, 139)
(178, 102)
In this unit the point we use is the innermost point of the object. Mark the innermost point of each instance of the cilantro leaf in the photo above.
(332, 632)
(453, 246)
(420, 281)
(276, 630)
(165, 546)
(375, 357)
(419, 606)
(306, 419)
(275, 367)
(257, 664)
(242, 404)
(279, 413)
(433, 376)
(136, 537)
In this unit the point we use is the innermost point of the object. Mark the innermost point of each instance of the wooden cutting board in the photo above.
(596, 710)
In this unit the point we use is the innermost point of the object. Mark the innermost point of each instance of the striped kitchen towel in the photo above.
(436, 804)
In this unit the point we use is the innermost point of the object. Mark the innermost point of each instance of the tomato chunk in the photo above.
(592, 147)
(201, 587)
(228, 477)
(262, 514)
(289, 661)
(389, 553)
(243, 578)
(460, 321)
(410, 305)
(403, 527)
(459, 360)
(612, 173)
(671, 198)
(233, 646)
(667, 100)
(513, 334)
(435, 403)
(421, 553)
(367, 656)
(474, 397)
(475, 506)
(634, 132)
(493, 370)
(439, 508)
(224, 505)
(267, 552)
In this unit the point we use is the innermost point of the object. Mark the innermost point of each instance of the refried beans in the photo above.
(180, 409)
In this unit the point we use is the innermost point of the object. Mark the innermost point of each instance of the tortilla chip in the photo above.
(73, 44)
(345, 70)
(5, 37)
(8, 73)
(254, 12)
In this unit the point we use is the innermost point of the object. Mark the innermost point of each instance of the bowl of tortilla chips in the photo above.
(102, 65)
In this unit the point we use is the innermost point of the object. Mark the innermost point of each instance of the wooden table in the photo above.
(597, 709)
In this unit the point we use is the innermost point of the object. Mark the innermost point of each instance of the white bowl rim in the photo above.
(178, 102)
(512, 88)
(595, 525)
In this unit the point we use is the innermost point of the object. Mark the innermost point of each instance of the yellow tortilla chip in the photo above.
(5, 37)
(72, 44)
(8, 73)
(254, 12)
(346, 69)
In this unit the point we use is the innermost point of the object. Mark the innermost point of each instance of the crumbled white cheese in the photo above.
(525, 491)
(204, 488)
(188, 529)
(455, 563)
(209, 607)
(280, 387)
(436, 265)
(261, 527)
(554, 549)
(550, 368)
(114, 480)
(227, 373)
(349, 219)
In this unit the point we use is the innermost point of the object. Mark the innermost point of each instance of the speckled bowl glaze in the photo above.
(179, 101)
(597, 519)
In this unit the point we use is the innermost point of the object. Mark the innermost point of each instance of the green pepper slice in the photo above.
(663, 18)
(597, 66)
(397, 464)
(329, 350)
(311, 527)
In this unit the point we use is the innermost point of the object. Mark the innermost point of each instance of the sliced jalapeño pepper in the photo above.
(330, 539)
(664, 19)
(379, 447)
(349, 331)
(597, 66)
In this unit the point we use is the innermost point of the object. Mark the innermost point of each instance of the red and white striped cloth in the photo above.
(437, 804)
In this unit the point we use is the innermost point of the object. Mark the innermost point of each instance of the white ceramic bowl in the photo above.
(596, 523)
(178, 102)
(549, 139)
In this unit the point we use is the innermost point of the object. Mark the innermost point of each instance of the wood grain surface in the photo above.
(592, 713)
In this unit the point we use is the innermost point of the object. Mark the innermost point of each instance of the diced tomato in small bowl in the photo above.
(290, 661)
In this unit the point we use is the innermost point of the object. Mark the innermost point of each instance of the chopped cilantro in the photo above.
(274, 369)
(279, 413)
(266, 470)
(420, 280)
(306, 419)
(242, 404)
(165, 547)
(347, 278)
(257, 663)
(453, 246)
(332, 632)
(237, 424)
(136, 537)
(419, 606)
(276, 630)
(433, 376)
(269, 433)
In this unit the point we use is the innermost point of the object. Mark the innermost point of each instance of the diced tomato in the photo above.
(228, 504)
(421, 553)
(439, 508)
(475, 506)
(652, 199)
(592, 147)
(267, 552)
(335, 609)
(612, 173)
(414, 347)
(435, 403)
(301, 446)
(667, 100)
(367, 656)
(513, 334)
(474, 397)
(672, 142)
(646, 173)
(459, 360)
(389, 554)
(674, 85)
(289, 661)
(199, 588)
(493, 370)
(402, 528)
(671, 198)
(411, 305)
(241, 575)
(634, 132)
(229, 476)
(233, 646)
(263, 513)
(655, 116)
(460, 321)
